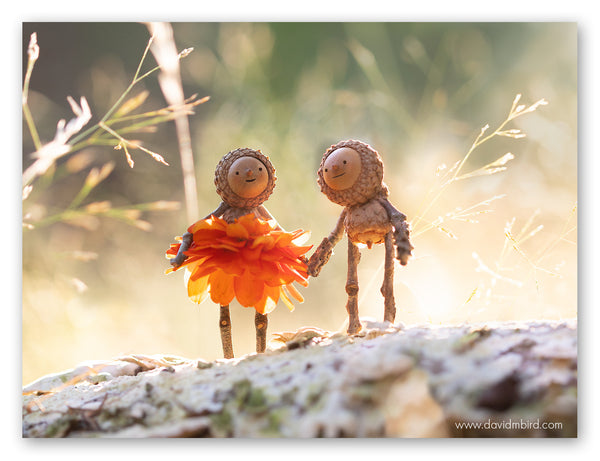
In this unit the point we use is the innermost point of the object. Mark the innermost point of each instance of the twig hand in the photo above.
(401, 232)
(186, 241)
(401, 241)
(320, 257)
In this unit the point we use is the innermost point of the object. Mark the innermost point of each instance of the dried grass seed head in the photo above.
(369, 183)
(224, 187)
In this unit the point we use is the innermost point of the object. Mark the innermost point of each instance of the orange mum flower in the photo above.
(249, 260)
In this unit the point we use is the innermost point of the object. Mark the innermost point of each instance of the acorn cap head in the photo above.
(369, 183)
(222, 182)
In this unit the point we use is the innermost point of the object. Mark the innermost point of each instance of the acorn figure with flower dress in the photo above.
(351, 175)
(239, 251)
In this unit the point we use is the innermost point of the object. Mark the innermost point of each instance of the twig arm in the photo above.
(219, 211)
(188, 238)
(401, 231)
(323, 252)
(186, 241)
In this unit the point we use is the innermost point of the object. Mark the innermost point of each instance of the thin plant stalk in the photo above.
(136, 79)
(165, 53)
(515, 111)
(33, 52)
(124, 143)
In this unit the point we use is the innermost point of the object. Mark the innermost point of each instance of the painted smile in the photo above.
(341, 174)
(250, 180)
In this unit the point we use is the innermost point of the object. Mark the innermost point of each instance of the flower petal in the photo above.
(295, 293)
(221, 288)
(286, 300)
(197, 289)
(269, 300)
(248, 289)
(250, 259)
(237, 230)
(265, 306)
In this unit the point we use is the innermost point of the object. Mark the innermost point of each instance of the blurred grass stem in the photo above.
(165, 53)
(490, 168)
(124, 143)
(33, 52)
(136, 79)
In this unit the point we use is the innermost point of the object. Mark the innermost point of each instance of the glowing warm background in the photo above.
(418, 93)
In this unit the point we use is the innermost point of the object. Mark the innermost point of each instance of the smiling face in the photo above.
(351, 173)
(342, 168)
(248, 177)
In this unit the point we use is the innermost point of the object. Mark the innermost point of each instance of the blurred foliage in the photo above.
(417, 92)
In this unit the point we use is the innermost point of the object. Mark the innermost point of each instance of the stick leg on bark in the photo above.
(387, 289)
(261, 322)
(352, 288)
(225, 326)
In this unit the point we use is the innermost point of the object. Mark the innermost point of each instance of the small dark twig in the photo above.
(225, 326)
(261, 322)
(88, 415)
(387, 289)
(352, 288)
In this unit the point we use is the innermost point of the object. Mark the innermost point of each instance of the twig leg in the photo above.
(261, 322)
(352, 288)
(225, 326)
(387, 289)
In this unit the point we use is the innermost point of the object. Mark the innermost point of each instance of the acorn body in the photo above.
(367, 223)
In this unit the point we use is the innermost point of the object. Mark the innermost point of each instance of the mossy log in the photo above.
(514, 379)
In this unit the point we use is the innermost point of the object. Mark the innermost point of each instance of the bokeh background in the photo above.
(417, 92)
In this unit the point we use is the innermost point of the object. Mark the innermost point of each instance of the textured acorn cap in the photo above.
(369, 183)
(222, 183)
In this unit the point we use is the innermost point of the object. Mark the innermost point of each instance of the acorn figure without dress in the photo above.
(351, 175)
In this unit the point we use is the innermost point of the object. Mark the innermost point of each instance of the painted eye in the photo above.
(345, 162)
(260, 169)
(325, 170)
(237, 172)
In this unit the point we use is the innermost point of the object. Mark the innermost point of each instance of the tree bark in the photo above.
(493, 380)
